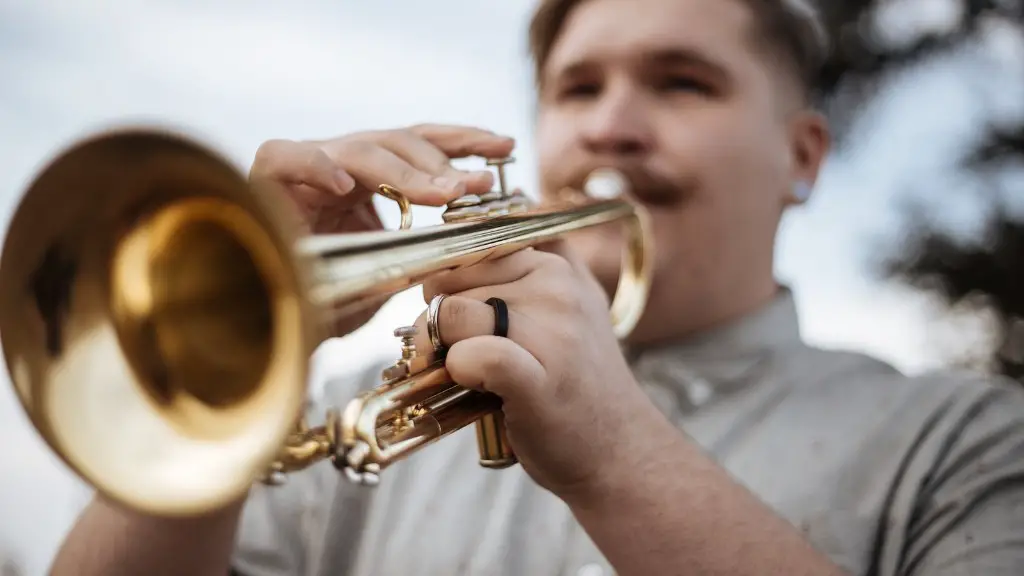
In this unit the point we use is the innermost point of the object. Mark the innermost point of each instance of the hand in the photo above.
(570, 399)
(332, 182)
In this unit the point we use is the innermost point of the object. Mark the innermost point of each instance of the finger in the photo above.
(502, 270)
(496, 365)
(367, 217)
(335, 219)
(300, 164)
(319, 212)
(302, 219)
(561, 248)
(460, 318)
(424, 155)
(462, 141)
(313, 200)
(372, 165)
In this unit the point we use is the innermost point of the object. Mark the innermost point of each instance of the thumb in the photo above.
(497, 365)
(560, 247)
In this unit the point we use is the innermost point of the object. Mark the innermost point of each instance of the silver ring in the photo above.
(433, 330)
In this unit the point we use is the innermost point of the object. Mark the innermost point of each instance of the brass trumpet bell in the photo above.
(158, 312)
(153, 321)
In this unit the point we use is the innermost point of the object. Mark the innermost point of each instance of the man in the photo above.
(720, 443)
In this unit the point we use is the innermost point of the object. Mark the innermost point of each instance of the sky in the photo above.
(235, 73)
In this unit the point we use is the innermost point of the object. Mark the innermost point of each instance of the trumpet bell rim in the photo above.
(153, 320)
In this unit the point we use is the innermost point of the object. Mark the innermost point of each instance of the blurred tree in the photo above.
(985, 274)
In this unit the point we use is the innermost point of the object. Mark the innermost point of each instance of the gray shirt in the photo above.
(886, 474)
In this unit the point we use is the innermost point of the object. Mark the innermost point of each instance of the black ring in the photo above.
(500, 317)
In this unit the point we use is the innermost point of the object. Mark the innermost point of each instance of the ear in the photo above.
(810, 142)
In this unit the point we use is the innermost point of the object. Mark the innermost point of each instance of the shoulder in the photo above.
(866, 383)
(960, 419)
(971, 400)
(936, 425)
(892, 421)
(972, 417)
(937, 456)
(956, 496)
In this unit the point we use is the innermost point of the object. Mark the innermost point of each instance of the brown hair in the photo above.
(789, 29)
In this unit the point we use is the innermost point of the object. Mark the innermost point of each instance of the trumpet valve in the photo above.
(273, 477)
(405, 419)
(354, 467)
(408, 335)
(498, 202)
(411, 360)
(370, 479)
(463, 208)
(499, 164)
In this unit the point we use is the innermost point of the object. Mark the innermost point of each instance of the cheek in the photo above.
(555, 149)
(737, 168)
(748, 167)
(710, 154)
(682, 246)
(722, 150)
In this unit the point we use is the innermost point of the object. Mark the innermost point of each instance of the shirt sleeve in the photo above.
(959, 509)
(283, 528)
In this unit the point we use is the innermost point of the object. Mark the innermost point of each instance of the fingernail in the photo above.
(484, 175)
(345, 182)
(454, 186)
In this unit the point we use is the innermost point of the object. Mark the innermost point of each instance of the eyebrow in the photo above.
(665, 57)
(685, 57)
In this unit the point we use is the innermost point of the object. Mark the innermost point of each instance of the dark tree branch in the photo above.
(1002, 146)
(985, 273)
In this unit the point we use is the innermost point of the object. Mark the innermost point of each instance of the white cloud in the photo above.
(233, 74)
(238, 72)
(899, 23)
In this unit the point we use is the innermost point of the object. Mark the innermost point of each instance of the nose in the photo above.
(617, 124)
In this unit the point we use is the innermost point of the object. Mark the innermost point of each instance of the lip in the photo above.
(643, 184)
(650, 189)
(661, 200)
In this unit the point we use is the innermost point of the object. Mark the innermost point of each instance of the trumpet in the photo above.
(158, 311)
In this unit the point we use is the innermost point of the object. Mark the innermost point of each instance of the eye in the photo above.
(579, 90)
(683, 83)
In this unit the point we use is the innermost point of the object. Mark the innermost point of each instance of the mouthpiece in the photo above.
(605, 184)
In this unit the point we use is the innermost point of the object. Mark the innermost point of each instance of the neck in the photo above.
(668, 320)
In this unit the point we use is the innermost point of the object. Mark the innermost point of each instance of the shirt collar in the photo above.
(724, 358)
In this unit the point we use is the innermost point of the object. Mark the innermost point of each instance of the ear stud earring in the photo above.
(802, 191)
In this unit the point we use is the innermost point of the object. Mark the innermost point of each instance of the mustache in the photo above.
(645, 185)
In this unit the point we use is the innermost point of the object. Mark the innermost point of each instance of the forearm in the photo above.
(113, 541)
(679, 512)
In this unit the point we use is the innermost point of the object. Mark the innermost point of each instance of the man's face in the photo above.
(679, 96)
